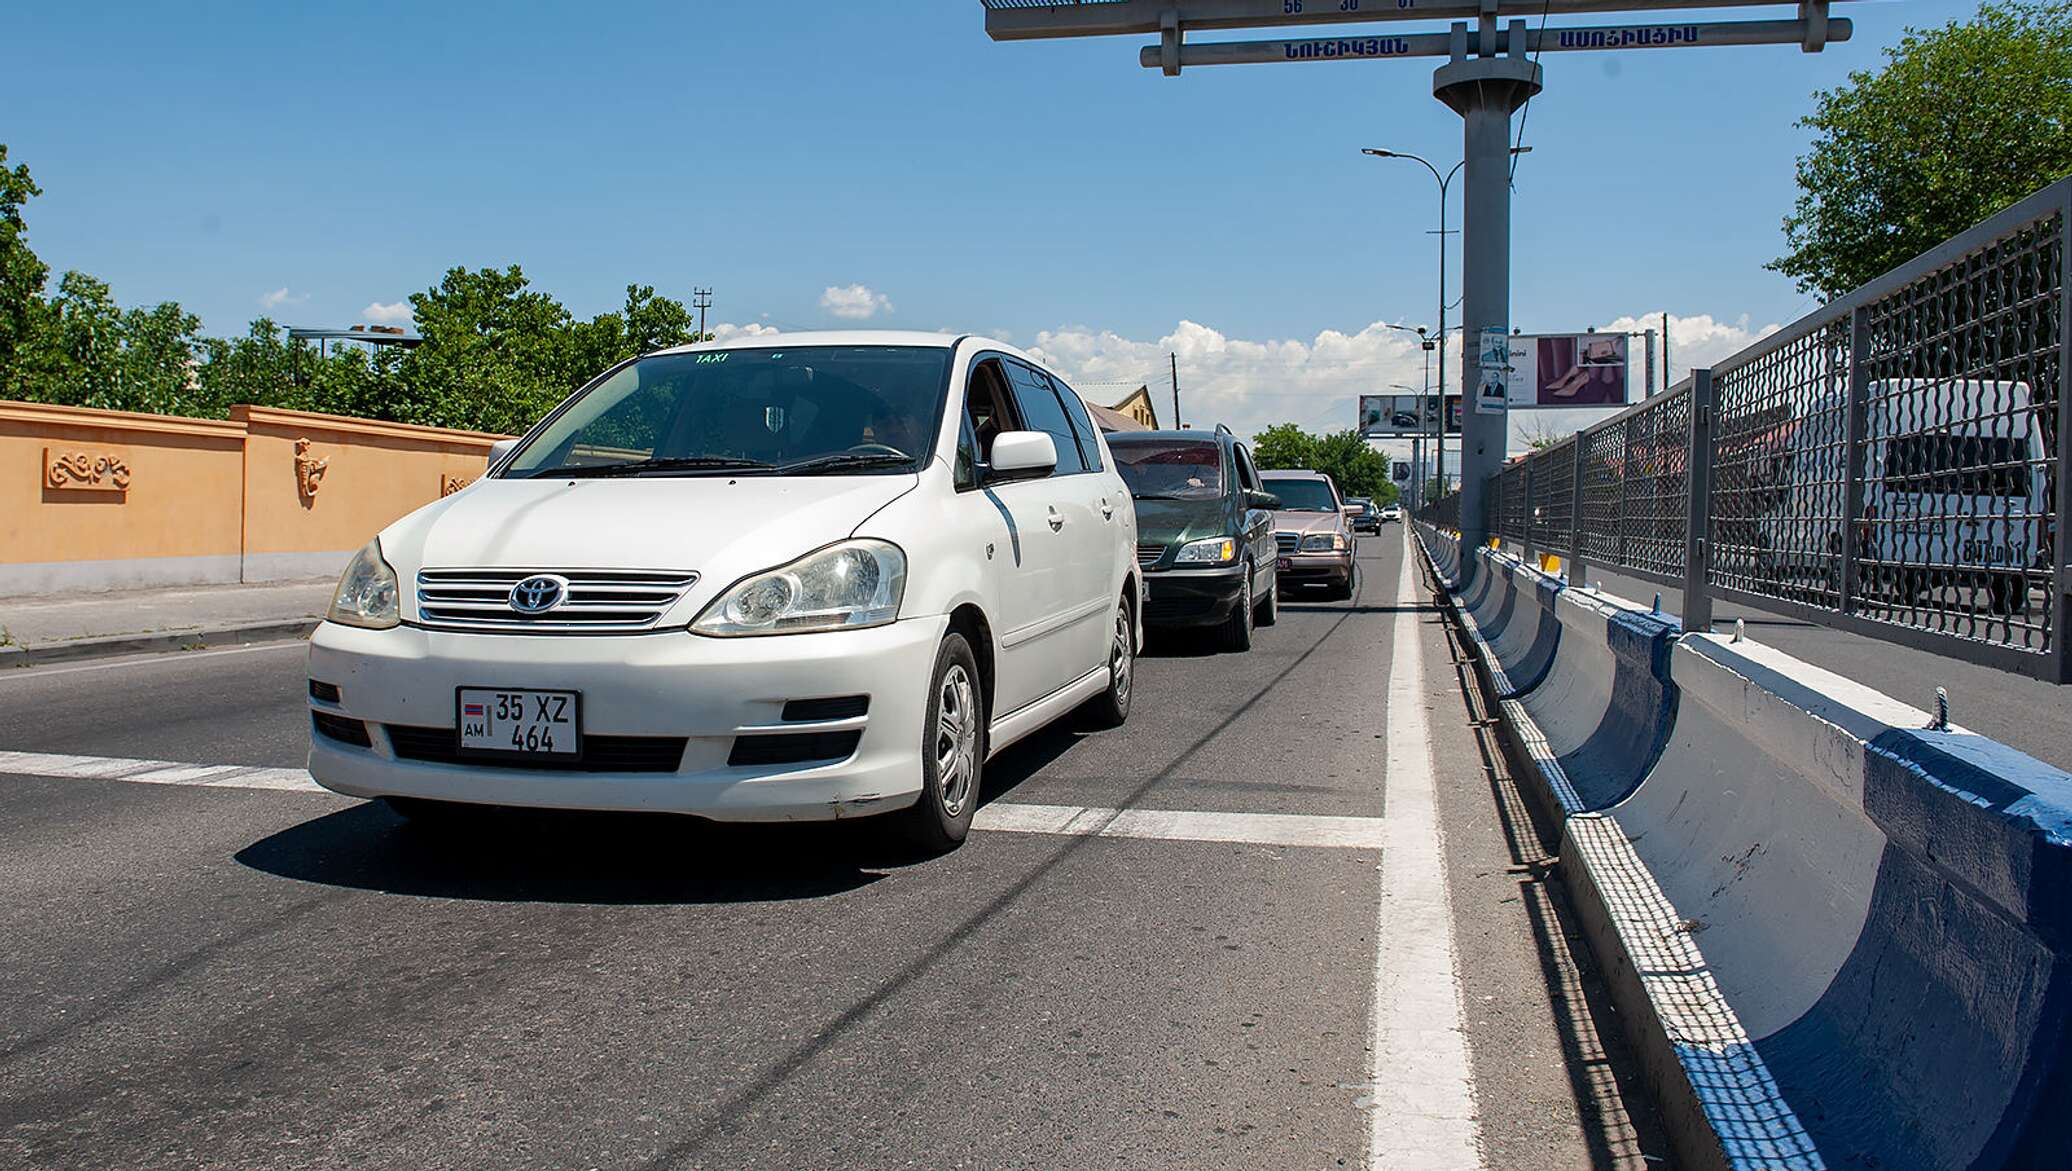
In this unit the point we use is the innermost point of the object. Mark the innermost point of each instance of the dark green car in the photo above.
(1204, 531)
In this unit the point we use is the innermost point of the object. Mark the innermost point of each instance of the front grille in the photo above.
(1288, 542)
(601, 754)
(1149, 553)
(341, 729)
(793, 748)
(600, 601)
(327, 692)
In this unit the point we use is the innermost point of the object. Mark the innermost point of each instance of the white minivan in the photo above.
(1954, 495)
(800, 576)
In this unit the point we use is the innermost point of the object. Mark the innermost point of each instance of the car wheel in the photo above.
(1112, 707)
(953, 751)
(1342, 590)
(1268, 609)
(1236, 634)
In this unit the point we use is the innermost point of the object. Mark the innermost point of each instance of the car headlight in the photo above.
(842, 587)
(1213, 551)
(368, 595)
(1324, 543)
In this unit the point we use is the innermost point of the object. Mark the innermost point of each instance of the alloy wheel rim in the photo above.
(956, 740)
(1121, 657)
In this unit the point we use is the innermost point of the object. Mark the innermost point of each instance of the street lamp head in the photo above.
(1379, 154)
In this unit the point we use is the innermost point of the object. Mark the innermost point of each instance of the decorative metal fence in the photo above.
(1890, 464)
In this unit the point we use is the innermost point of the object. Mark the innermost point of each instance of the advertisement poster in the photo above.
(1406, 415)
(1492, 389)
(1569, 370)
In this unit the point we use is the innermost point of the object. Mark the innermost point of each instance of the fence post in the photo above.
(1576, 565)
(1531, 517)
(1619, 557)
(1854, 452)
(2061, 541)
(1697, 600)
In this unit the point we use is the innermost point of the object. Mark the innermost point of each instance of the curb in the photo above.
(157, 642)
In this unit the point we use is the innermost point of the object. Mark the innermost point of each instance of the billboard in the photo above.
(1406, 415)
(1568, 370)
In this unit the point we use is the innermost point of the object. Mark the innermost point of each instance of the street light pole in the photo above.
(1445, 181)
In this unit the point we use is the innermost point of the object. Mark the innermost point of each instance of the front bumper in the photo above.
(1192, 597)
(1300, 569)
(707, 690)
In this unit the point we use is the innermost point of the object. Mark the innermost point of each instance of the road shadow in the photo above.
(563, 857)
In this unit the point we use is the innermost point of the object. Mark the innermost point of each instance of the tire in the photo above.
(2008, 595)
(1342, 590)
(1111, 708)
(953, 752)
(1235, 634)
(1267, 610)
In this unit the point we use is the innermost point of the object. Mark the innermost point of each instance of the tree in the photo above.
(1354, 465)
(21, 273)
(1962, 121)
(1284, 445)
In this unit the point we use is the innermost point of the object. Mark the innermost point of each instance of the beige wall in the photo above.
(206, 500)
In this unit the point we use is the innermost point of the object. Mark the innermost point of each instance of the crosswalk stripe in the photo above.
(1169, 825)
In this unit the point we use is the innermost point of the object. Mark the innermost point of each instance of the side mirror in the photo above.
(1022, 455)
(1254, 498)
(500, 449)
(1349, 510)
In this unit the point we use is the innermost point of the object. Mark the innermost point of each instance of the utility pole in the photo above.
(1174, 357)
(701, 300)
(1666, 384)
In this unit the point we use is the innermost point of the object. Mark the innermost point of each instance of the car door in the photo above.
(1257, 532)
(1113, 555)
(1074, 512)
(1031, 560)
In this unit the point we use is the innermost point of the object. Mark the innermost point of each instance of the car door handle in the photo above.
(1057, 519)
(1107, 510)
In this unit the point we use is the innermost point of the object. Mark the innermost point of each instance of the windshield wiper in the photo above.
(842, 461)
(673, 463)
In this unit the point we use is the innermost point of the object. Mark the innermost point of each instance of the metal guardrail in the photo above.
(1890, 464)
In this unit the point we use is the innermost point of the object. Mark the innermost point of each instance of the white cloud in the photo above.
(391, 312)
(1316, 383)
(280, 297)
(727, 331)
(854, 302)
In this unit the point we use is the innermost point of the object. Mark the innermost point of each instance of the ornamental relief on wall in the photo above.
(85, 471)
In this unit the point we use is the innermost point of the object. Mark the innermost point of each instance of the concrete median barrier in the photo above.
(1510, 621)
(1601, 715)
(1838, 937)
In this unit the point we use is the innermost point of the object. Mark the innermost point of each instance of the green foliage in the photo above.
(1962, 121)
(1345, 456)
(497, 354)
(1284, 445)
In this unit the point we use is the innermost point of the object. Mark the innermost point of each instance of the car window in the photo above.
(1247, 475)
(986, 407)
(1303, 494)
(1041, 411)
(1169, 469)
(1082, 425)
(854, 409)
(965, 471)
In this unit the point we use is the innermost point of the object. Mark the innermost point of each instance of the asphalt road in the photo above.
(2026, 713)
(220, 976)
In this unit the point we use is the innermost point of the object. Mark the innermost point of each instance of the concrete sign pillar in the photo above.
(1485, 92)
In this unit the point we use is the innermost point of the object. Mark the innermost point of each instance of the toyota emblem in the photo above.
(539, 593)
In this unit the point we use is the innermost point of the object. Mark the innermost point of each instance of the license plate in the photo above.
(524, 722)
(1284, 563)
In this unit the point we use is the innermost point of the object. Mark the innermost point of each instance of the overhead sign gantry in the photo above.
(1489, 74)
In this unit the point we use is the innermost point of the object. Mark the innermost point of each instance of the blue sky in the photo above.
(1055, 192)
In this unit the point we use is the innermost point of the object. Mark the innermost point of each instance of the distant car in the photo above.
(1365, 517)
(1204, 531)
(1314, 540)
(1405, 419)
(1392, 512)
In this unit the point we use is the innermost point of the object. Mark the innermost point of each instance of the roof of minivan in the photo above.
(1292, 474)
(1169, 433)
(837, 337)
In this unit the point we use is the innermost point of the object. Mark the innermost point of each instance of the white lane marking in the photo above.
(1423, 1083)
(155, 772)
(1172, 825)
(149, 659)
(1181, 825)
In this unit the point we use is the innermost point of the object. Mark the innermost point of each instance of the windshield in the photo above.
(864, 410)
(1179, 469)
(1304, 495)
